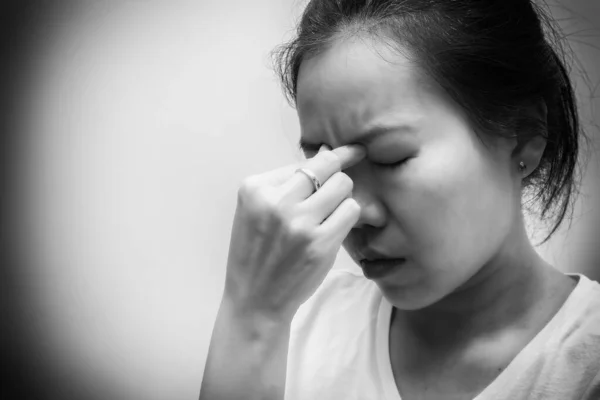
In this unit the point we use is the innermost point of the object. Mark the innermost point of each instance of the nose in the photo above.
(371, 212)
(367, 194)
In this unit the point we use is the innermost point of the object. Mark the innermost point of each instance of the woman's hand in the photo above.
(285, 237)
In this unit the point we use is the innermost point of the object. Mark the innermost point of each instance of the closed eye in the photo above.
(392, 165)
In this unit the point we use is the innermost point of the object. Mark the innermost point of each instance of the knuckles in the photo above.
(298, 229)
(248, 188)
(266, 202)
(345, 181)
(263, 202)
(264, 206)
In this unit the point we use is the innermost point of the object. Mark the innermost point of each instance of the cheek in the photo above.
(454, 206)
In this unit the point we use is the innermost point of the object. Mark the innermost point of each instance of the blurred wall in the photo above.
(138, 124)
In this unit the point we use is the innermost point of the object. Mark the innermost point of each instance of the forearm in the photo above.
(247, 357)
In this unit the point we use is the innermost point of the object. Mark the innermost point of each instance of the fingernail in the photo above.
(359, 147)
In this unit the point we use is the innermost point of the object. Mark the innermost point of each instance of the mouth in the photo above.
(381, 267)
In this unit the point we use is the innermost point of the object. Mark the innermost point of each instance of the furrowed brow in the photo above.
(364, 138)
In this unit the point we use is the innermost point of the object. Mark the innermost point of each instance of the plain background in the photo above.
(140, 121)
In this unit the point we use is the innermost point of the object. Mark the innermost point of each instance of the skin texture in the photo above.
(452, 209)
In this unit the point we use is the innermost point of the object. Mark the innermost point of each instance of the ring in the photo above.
(311, 176)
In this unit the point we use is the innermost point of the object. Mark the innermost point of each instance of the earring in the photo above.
(522, 166)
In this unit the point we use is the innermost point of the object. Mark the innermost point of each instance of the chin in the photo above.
(410, 297)
(408, 304)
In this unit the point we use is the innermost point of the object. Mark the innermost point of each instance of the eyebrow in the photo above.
(370, 135)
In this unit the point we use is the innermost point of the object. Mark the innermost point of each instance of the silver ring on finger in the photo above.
(313, 178)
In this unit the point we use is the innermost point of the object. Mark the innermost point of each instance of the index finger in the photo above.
(323, 166)
(350, 154)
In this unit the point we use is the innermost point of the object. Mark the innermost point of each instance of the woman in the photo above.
(441, 115)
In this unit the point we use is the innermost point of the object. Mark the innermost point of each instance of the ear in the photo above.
(529, 149)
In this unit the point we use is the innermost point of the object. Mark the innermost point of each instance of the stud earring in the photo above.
(522, 166)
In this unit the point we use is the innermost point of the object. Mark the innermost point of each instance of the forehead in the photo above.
(356, 83)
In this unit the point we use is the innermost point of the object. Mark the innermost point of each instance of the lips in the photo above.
(372, 255)
(376, 264)
(379, 268)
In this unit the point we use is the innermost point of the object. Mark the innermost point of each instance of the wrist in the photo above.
(254, 324)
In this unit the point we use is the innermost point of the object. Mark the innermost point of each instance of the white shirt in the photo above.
(339, 348)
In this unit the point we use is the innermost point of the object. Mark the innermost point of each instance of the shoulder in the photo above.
(332, 337)
(577, 344)
(341, 295)
(585, 303)
(580, 315)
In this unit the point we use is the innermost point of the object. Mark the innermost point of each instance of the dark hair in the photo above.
(496, 58)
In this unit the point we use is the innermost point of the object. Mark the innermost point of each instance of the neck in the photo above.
(505, 293)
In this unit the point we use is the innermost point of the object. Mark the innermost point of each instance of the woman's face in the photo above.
(450, 204)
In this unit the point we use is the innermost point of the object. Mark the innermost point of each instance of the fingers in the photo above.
(349, 155)
(325, 164)
(298, 187)
(341, 221)
(321, 204)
